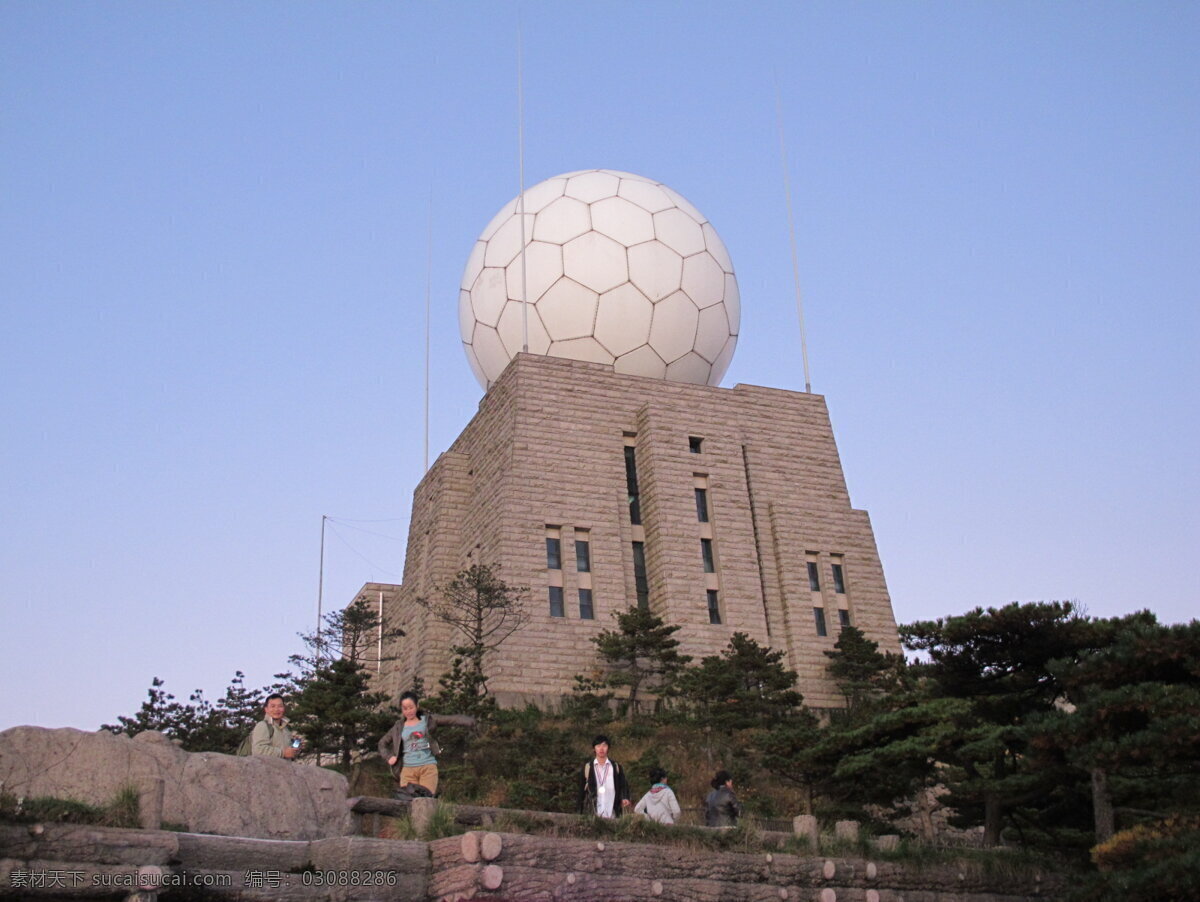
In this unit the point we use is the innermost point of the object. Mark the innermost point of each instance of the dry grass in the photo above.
(121, 811)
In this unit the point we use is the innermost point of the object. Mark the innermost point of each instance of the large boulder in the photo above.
(206, 792)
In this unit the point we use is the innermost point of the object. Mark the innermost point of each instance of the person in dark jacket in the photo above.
(603, 789)
(409, 747)
(722, 808)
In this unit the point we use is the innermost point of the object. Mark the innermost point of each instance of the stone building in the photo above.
(722, 509)
(607, 468)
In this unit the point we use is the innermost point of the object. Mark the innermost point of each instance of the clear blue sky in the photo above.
(213, 235)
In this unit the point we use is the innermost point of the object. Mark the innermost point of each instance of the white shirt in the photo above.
(605, 787)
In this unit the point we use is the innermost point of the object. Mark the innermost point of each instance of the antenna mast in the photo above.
(521, 195)
(320, 588)
(428, 283)
(787, 191)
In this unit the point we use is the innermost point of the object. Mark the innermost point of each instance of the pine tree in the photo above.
(484, 611)
(330, 702)
(159, 712)
(198, 725)
(874, 751)
(861, 671)
(788, 753)
(998, 662)
(641, 653)
(745, 686)
(328, 693)
(222, 726)
(335, 711)
(351, 633)
(1134, 721)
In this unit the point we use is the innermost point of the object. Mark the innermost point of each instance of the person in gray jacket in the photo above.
(659, 804)
(722, 808)
(409, 746)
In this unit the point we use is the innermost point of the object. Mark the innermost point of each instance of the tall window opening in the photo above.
(631, 486)
(819, 617)
(583, 552)
(702, 505)
(714, 607)
(553, 548)
(641, 584)
(839, 579)
(585, 605)
(706, 552)
(814, 577)
(556, 602)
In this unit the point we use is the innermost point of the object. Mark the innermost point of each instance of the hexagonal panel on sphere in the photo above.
(618, 268)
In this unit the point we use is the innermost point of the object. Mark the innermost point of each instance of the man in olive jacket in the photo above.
(271, 736)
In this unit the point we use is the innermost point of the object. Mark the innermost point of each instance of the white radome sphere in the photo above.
(620, 269)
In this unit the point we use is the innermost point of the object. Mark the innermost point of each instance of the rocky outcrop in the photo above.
(205, 792)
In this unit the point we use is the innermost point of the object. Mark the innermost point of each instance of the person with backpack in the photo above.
(603, 789)
(409, 747)
(659, 804)
(271, 736)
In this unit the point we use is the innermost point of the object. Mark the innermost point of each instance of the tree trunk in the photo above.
(1102, 806)
(926, 802)
(993, 807)
(992, 818)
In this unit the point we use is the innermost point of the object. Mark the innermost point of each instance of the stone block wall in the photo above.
(546, 448)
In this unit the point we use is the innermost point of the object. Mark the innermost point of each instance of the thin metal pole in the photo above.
(787, 190)
(320, 588)
(428, 284)
(521, 195)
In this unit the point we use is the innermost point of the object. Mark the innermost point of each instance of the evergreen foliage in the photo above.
(997, 661)
(590, 699)
(1052, 728)
(335, 712)
(878, 750)
(331, 705)
(746, 686)
(483, 610)
(199, 725)
(1134, 722)
(220, 727)
(351, 634)
(159, 712)
(1156, 861)
(862, 672)
(641, 653)
(525, 759)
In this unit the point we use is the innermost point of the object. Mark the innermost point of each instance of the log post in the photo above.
(421, 812)
(805, 825)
